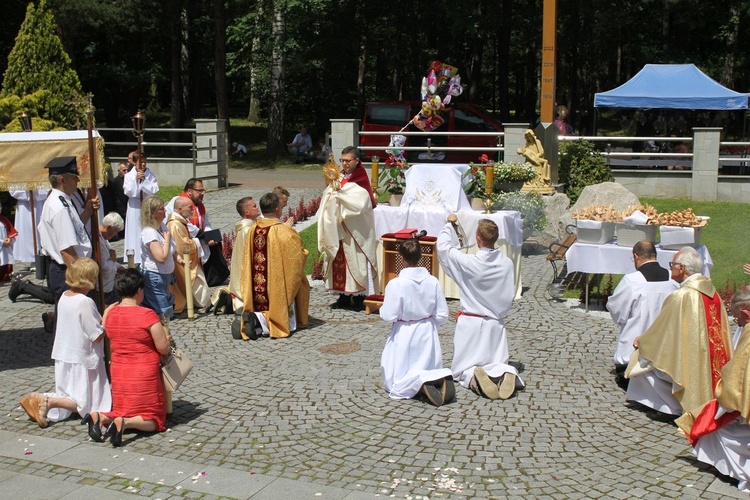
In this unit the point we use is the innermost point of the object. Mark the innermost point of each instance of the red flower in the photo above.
(484, 158)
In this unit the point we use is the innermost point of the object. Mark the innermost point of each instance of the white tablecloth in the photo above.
(612, 259)
(436, 185)
(509, 223)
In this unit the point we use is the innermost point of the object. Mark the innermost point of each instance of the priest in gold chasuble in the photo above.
(274, 285)
(248, 210)
(679, 358)
(177, 224)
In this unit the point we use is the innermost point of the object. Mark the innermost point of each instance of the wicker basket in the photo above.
(630, 234)
(595, 232)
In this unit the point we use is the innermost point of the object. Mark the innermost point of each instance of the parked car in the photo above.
(392, 116)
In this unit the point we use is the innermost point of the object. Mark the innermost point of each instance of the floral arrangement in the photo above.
(503, 173)
(392, 178)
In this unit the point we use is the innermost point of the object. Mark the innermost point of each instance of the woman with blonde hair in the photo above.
(157, 258)
(80, 374)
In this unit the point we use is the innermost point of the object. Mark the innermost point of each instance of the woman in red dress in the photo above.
(137, 341)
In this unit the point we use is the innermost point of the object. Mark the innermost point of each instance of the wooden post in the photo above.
(93, 191)
(549, 61)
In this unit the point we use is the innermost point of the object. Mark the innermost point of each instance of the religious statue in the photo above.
(534, 154)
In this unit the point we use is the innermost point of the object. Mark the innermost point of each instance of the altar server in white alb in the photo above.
(138, 184)
(23, 249)
(637, 300)
(412, 361)
(486, 282)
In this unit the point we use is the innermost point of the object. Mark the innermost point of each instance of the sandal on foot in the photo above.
(30, 411)
(95, 429)
(42, 401)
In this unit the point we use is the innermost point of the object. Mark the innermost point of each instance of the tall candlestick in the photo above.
(374, 173)
(490, 180)
(188, 283)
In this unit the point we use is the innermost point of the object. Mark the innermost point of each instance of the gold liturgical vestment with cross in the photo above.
(273, 275)
(681, 344)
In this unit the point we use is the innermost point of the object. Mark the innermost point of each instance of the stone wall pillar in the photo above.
(514, 139)
(547, 134)
(211, 162)
(344, 132)
(705, 163)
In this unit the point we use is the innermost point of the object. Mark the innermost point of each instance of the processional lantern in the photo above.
(25, 120)
(139, 124)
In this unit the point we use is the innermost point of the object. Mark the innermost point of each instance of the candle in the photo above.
(374, 173)
(490, 180)
(188, 283)
(131, 258)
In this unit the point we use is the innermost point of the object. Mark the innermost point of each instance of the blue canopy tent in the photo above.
(673, 86)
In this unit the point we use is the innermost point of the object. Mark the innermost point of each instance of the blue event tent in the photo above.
(676, 86)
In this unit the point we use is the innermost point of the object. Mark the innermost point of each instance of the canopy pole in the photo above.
(93, 192)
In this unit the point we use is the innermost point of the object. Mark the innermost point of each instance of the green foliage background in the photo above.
(39, 74)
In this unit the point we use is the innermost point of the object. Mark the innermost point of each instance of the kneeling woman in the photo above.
(137, 341)
(80, 374)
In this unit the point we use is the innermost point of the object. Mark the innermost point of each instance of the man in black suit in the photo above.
(644, 257)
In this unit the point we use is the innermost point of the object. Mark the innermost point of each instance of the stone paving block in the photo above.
(226, 482)
(284, 488)
(93, 457)
(156, 470)
(33, 447)
(42, 488)
(95, 493)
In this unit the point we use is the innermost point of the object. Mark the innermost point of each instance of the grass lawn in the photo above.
(310, 241)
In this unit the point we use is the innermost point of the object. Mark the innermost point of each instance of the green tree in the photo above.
(38, 61)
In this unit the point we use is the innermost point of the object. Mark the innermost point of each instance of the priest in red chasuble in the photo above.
(275, 290)
(678, 361)
(719, 432)
(346, 232)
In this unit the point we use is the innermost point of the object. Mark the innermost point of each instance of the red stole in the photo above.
(260, 268)
(359, 176)
(199, 213)
(705, 422)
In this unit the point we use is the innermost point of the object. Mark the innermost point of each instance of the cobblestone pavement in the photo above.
(311, 413)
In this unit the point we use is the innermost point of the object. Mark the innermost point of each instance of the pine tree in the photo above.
(38, 61)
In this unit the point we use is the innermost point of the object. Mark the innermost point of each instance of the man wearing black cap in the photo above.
(62, 233)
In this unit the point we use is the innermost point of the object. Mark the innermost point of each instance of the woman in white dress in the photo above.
(81, 384)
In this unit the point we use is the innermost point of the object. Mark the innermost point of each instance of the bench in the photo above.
(558, 250)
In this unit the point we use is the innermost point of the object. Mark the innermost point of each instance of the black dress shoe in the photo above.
(49, 322)
(95, 430)
(432, 394)
(250, 324)
(344, 302)
(358, 303)
(15, 289)
(448, 390)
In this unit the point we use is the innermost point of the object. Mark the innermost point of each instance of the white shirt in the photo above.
(60, 227)
(148, 235)
(79, 324)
